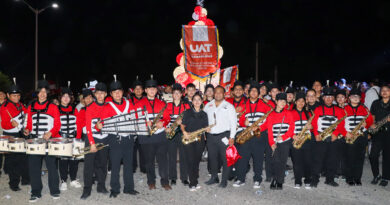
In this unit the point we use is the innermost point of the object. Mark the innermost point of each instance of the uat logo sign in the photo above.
(200, 50)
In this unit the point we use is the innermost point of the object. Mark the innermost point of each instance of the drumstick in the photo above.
(9, 114)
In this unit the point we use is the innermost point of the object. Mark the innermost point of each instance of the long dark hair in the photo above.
(201, 98)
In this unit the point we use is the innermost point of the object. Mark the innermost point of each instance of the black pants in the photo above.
(159, 152)
(279, 161)
(35, 171)
(95, 163)
(121, 148)
(217, 152)
(325, 153)
(193, 155)
(173, 146)
(68, 167)
(255, 149)
(1, 162)
(302, 162)
(355, 154)
(137, 149)
(381, 143)
(268, 159)
(18, 169)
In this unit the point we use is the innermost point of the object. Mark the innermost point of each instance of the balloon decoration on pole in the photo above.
(199, 62)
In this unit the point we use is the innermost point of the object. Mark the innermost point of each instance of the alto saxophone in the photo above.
(196, 135)
(154, 128)
(248, 133)
(174, 126)
(378, 125)
(328, 131)
(303, 135)
(357, 131)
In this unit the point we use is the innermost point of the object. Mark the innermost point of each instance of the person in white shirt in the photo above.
(223, 115)
(372, 93)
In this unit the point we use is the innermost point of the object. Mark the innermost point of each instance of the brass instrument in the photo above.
(303, 135)
(174, 126)
(239, 114)
(248, 133)
(196, 135)
(378, 125)
(328, 131)
(357, 131)
(87, 150)
(154, 128)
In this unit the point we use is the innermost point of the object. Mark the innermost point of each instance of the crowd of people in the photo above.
(327, 130)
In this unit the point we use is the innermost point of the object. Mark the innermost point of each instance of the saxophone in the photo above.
(356, 132)
(154, 128)
(174, 126)
(378, 125)
(303, 136)
(328, 131)
(196, 135)
(248, 133)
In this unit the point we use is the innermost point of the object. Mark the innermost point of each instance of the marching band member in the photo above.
(221, 135)
(341, 98)
(208, 94)
(311, 100)
(43, 121)
(290, 97)
(263, 91)
(12, 120)
(190, 92)
(194, 119)
(154, 147)
(302, 157)
(280, 126)
(273, 91)
(380, 109)
(355, 152)
(326, 152)
(254, 148)
(121, 144)
(317, 87)
(2, 100)
(171, 113)
(70, 126)
(95, 162)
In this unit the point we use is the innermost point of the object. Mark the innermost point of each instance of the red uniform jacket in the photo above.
(355, 115)
(113, 108)
(280, 123)
(326, 116)
(81, 128)
(70, 121)
(49, 119)
(300, 119)
(16, 111)
(92, 116)
(253, 111)
(240, 107)
(172, 112)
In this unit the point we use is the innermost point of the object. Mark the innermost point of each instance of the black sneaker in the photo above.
(279, 186)
(114, 194)
(34, 199)
(273, 184)
(85, 195)
(185, 182)
(358, 182)
(351, 183)
(212, 180)
(332, 183)
(131, 192)
(55, 196)
(376, 179)
(102, 190)
(15, 188)
(223, 184)
(173, 182)
(383, 182)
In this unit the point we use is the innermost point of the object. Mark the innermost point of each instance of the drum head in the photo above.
(36, 141)
(60, 141)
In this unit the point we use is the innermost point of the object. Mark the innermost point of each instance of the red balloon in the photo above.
(219, 64)
(178, 57)
(191, 23)
(198, 10)
(209, 22)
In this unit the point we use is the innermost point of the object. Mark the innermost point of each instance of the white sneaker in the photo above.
(256, 185)
(198, 186)
(109, 172)
(297, 186)
(238, 183)
(33, 199)
(55, 196)
(75, 184)
(193, 188)
(63, 186)
(307, 186)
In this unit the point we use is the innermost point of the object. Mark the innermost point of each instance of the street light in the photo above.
(37, 12)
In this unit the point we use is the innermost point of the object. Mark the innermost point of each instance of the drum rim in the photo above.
(16, 140)
(36, 141)
(59, 141)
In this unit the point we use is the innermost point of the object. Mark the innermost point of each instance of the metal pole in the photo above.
(36, 49)
(257, 62)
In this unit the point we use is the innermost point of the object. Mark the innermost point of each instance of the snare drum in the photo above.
(60, 147)
(16, 145)
(4, 143)
(78, 146)
(36, 146)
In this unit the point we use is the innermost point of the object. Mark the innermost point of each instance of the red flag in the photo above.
(228, 76)
(200, 50)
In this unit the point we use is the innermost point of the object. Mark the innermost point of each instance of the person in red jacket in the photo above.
(254, 148)
(301, 157)
(208, 94)
(171, 113)
(290, 91)
(355, 152)
(12, 120)
(121, 144)
(154, 147)
(280, 126)
(43, 121)
(273, 91)
(69, 129)
(96, 161)
(326, 151)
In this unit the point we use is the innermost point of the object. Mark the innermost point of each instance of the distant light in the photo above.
(54, 5)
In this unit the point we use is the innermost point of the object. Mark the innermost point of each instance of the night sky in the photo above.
(87, 39)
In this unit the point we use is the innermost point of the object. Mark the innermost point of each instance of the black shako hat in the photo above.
(43, 83)
(281, 96)
(151, 83)
(101, 87)
(66, 90)
(341, 92)
(115, 85)
(13, 89)
(86, 92)
(290, 88)
(136, 83)
(300, 95)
